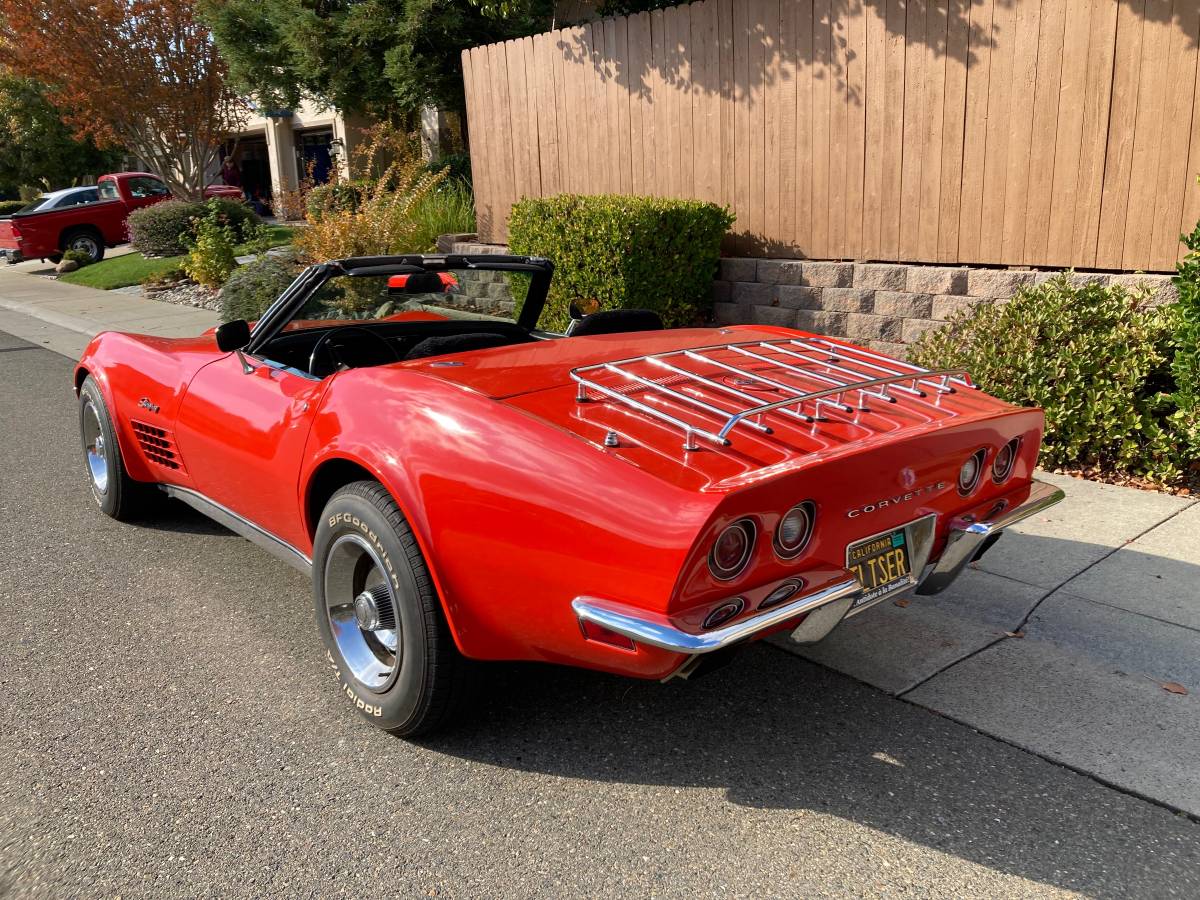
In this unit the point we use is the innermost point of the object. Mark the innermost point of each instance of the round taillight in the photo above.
(731, 550)
(724, 612)
(1006, 459)
(968, 475)
(784, 592)
(795, 529)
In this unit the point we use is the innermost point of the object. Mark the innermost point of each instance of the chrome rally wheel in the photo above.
(361, 608)
(93, 446)
(114, 491)
(380, 617)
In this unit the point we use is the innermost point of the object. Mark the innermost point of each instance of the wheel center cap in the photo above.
(366, 611)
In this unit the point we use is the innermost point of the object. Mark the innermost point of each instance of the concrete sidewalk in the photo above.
(1104, 593)
(1104, 589)
(64, 317)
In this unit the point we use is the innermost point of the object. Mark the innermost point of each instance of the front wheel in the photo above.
(117, 495)
(379, 615)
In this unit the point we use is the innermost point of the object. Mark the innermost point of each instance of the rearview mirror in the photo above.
(233, 335)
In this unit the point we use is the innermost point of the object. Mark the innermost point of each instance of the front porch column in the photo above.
(281, 154)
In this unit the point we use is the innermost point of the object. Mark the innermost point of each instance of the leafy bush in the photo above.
(457, 166)
(211, 258)
(1185, 368)
(165, 228)
(251, 288)
(8, 207)
(157, 230)
(336, 196)
(80, 257)
(613, 252)
(385, 219)
(1095, 357)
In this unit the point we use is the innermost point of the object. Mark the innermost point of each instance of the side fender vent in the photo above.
(157, 445)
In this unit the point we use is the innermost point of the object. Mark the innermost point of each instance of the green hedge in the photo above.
(1185, 368)
(1097, 358)
(619, 252)
(8, 207)
(166, 228)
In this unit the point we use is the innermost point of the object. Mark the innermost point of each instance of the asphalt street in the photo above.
(170, 728)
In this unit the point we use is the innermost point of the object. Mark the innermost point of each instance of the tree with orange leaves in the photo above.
(143, 74)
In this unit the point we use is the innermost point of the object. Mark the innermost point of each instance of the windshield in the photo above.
(463, 294)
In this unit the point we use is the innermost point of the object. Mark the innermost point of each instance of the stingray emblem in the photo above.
(145, 403)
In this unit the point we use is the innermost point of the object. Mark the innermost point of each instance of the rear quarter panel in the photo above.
(515, 517)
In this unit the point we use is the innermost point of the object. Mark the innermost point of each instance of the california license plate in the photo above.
(881, 563)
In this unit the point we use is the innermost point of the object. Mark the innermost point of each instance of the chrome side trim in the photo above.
(967, 536)
(222, 515)
(633, 623)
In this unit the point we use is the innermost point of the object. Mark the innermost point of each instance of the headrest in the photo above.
(616, 321)
(457, 343)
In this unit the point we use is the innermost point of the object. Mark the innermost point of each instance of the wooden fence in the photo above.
(1015, 132)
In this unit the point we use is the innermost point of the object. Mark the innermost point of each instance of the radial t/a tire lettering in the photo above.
(379, 615)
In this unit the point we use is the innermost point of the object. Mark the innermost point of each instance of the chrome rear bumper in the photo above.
(828, 587)
(968, 535)
(829, 594)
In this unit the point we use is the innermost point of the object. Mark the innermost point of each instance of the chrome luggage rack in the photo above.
(848, 372)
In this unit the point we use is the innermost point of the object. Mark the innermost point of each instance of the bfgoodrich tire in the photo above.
(117, 495)
(379, 615)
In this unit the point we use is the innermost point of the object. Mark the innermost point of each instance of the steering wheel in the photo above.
(325, 343)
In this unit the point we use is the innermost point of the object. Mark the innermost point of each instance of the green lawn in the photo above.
(133, 268)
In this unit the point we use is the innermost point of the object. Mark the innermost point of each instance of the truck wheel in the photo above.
(87, 240)
(117, 495)
(379, 615)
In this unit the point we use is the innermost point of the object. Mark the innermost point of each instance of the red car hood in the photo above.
(536, 379)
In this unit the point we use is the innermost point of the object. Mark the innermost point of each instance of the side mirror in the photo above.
(233, 335)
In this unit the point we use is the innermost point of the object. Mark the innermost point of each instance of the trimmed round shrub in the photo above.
(166, 228)
(253, 287)
(619, 252)
(158, 230)
(1095, 357)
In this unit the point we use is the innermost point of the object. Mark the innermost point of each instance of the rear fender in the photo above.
(515, 518)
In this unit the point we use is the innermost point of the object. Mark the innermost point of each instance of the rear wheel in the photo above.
(117, 495)
(87, 240)
(379, 615)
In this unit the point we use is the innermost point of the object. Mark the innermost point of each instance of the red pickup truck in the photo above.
(90, 227)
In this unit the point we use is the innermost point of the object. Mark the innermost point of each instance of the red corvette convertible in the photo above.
(464, 486)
